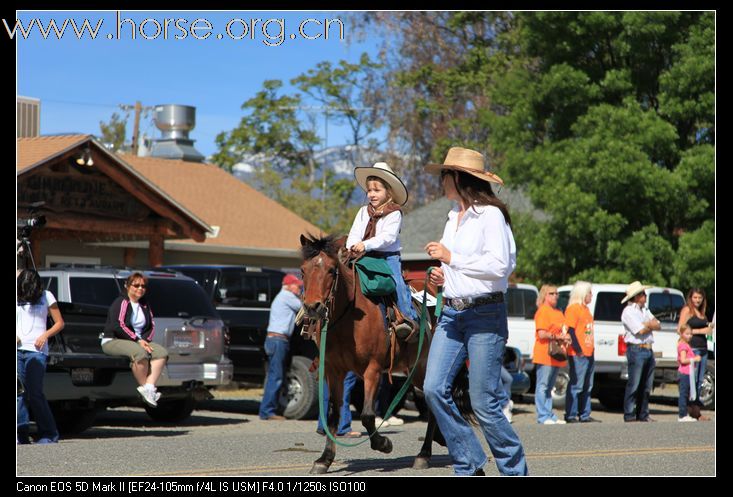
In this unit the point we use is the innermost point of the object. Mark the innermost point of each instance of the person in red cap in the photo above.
(285, 307)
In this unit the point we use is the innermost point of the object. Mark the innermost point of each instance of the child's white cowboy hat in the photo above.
(466, 161)
(633, 290)
(382, 171)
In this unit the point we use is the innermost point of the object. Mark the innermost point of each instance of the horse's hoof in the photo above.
(386, 446)
(420, 463)
(319, 469)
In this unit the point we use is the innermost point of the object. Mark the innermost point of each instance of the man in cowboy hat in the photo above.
(638, 323)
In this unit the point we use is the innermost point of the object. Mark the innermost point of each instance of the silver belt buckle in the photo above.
(457, 304)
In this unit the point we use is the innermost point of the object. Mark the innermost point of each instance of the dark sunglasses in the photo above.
(139, 285)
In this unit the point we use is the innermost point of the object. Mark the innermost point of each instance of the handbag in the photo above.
(557, 350)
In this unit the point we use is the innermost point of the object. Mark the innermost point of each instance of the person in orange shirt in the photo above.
(549, 325)
(579, 322)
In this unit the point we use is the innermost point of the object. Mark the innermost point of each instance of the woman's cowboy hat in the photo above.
(382, 171)
(633, 290)
(467, 161)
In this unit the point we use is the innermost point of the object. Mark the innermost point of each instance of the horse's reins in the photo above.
(405, 386)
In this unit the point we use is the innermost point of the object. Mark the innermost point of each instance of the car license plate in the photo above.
(187, 339)
(82, 376)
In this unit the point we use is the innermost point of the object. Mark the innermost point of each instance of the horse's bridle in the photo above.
(329, 303)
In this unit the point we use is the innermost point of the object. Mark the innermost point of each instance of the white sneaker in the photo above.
(686, 419)
(380, 422)
(395, 421)
(551, 422)
(507, 410)
(157, 396)
(560, 422)
(148, 396)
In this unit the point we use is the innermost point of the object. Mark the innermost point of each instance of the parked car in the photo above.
(242, 296)
(81, 378)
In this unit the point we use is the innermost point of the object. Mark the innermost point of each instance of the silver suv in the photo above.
(82, 379)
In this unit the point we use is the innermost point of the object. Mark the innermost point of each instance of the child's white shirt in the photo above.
(387, 238)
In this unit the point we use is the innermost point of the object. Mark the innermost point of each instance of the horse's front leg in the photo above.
(335, 399)
(422, 460)
(371, 383)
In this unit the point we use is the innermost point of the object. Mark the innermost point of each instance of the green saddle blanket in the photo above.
(375, 277)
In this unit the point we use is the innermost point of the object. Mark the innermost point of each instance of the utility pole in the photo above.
(138, 108)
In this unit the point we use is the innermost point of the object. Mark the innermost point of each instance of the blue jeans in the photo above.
(545, 381)
(506, 383)
(277, 351)
(639, 385)
(345, 413)
(31, 370)
(577, 398)
(404, 299)
(478, 334)
(684, 400)
(700, 368)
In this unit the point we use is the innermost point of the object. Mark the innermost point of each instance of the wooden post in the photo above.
(129, 257)
(155, 250)
(136, 127)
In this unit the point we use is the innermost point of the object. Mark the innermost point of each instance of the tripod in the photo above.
(24, 252)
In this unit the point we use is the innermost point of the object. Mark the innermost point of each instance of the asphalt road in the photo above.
(226, 438)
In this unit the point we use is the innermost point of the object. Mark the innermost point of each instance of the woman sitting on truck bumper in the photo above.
(129, 332)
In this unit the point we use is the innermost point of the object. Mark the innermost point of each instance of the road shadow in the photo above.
(240, 406)
(356, 466)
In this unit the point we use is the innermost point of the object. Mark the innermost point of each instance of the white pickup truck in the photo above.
(611, 370)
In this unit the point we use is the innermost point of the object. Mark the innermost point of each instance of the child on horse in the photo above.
(376, 231)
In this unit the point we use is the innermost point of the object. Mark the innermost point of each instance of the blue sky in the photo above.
(80, 82)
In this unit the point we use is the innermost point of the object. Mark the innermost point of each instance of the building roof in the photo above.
(425, 224)
(40, 149)
(245, 217)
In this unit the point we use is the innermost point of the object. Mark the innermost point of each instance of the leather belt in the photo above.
(272, 334)
(462, 303)
(640, 345)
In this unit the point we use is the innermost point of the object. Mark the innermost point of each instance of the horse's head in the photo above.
(320, 272)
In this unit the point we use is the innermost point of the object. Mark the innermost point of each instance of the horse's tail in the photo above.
(461, 397)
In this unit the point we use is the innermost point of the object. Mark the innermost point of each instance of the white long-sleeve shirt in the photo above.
(633, 318)
(483, 252)
(387, 238)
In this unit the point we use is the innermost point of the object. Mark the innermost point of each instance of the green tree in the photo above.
(113, 131)
(608, 118)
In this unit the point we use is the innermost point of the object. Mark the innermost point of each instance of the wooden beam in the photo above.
(148, 196)
(73, 222)
(155, 251)
(128, 259)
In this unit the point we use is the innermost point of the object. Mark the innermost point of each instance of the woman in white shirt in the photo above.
(477, 255)
(31, 336)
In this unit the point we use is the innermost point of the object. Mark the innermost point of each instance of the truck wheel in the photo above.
(560, 388)
(72, 421)
(172, 411)
(707, 391)
(299, 395)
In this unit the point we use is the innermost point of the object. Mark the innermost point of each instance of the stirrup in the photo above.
(407, 331)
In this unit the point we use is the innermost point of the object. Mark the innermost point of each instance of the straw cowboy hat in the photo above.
(382, 171)
(633, 290)
(466, 161)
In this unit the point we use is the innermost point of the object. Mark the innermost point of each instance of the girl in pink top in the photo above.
(685, 356)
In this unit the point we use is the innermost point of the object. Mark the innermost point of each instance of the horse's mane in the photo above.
(314, 246)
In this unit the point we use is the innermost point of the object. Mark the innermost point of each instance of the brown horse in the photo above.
(357, 341)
